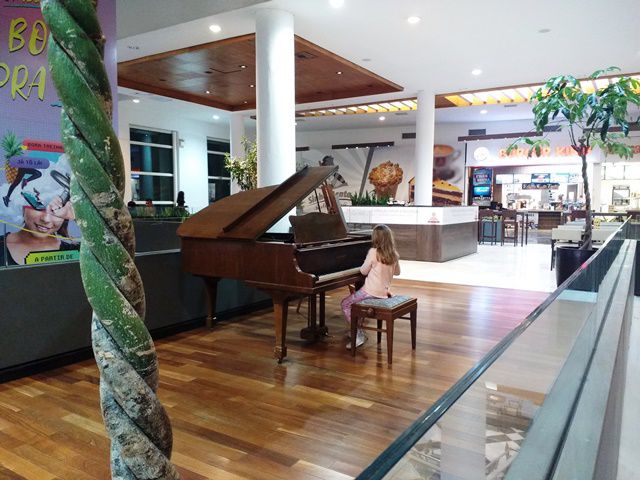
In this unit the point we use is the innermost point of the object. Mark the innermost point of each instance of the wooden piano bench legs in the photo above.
(385, 310)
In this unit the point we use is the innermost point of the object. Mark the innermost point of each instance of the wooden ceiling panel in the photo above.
(227, 69)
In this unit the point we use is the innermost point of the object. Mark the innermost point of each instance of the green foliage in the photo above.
(588, 116)
(11, 146)
(589, 119)
(244, 170)
(367, 199)
(159, 212)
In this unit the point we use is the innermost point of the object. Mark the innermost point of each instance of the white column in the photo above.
(425, 126)
(594, 172)
(236, 132)
(275, 92)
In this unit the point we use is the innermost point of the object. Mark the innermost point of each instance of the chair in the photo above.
(387, 310)
(487, 226)
(509, 224)
(575, 214)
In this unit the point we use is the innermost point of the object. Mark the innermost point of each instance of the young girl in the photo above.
(379, 267)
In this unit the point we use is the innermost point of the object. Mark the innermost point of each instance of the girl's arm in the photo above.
(368, 262)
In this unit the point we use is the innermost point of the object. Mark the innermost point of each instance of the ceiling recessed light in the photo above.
(246, 101)
(136, 100)
(252, 85)
(413, 19)
(216, 117)
(242, 66)
(215, 28)
(484, 112)
(207, 92)
(544, 30)
(336, 3)
(338, 73)
(382, 118)
(476, 72)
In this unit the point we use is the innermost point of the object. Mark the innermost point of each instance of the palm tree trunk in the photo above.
(586, 239)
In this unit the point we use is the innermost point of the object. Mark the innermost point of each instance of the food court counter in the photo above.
(428, 234)
(547, 219)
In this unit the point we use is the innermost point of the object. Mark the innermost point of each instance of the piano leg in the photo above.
(280, 311)
(315, 330)
(324, 331)
(211, 285)
(310, 331)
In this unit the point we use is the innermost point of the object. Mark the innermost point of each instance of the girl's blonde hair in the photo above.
(382, 240)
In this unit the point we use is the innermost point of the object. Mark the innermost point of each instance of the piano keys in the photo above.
(230, 239)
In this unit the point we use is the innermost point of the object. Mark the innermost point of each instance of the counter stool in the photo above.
(509, 224)
(487, 226)
(387, 310)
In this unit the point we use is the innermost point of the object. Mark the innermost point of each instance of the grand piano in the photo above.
(230, 239)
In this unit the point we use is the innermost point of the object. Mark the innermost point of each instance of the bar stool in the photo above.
(487, 226)
(509, 224)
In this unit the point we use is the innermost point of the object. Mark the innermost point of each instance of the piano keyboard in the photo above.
(334, 275)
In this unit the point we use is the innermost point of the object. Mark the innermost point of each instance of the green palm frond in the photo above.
(11, 145)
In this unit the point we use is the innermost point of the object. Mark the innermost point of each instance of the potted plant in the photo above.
(244, 170)
(597, 119)
(367, 198)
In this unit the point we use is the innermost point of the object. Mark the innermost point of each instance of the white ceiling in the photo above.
(501, 37)
(142, 16)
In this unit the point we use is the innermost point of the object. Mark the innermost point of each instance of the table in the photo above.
(548, 219)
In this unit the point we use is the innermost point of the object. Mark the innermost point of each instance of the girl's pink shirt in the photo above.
(379, 275)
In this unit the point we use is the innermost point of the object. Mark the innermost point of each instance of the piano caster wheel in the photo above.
(309, 333)
(313, 334)
(210, 321)
(279, 353)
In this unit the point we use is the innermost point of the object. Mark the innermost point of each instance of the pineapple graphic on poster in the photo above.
(35, 212)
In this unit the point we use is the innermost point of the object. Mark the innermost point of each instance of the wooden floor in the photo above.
(237, 414)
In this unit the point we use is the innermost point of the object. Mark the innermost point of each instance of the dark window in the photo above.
(216, 165)
(217, 146)
(218, 188)
(159, 189)
(151, 136)
(219, 176)
(152, 165)
(145, 158)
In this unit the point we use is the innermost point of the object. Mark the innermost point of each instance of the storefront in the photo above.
(552, 181)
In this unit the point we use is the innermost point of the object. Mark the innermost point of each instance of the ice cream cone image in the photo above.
(388, 191)
(385, 179)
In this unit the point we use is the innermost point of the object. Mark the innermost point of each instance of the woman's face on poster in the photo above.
(41, 223)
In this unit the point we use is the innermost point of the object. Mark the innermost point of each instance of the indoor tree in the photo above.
(137, 423)
(244, 170)
(597, 119)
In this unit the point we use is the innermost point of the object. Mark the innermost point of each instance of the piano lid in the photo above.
(248, 214)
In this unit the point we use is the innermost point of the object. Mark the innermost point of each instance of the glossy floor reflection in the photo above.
(522, 268)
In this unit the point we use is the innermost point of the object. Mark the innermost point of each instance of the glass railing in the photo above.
(511, 415)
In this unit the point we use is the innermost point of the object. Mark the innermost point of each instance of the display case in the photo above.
(621, 195)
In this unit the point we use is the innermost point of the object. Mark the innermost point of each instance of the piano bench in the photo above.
(384, 310)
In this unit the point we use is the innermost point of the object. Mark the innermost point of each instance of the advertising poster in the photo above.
(385, 172)
(36, 217)
(376, 171)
